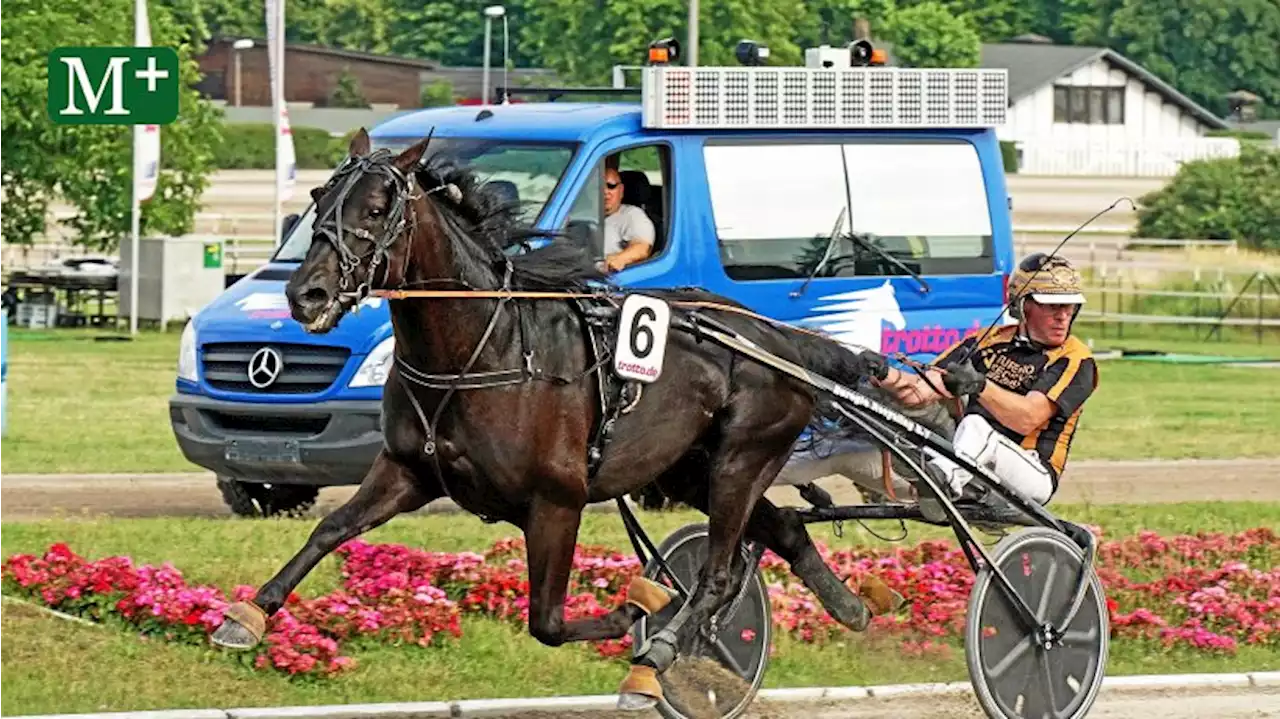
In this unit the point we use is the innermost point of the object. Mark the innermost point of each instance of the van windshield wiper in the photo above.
(862, 241)
(826, 254)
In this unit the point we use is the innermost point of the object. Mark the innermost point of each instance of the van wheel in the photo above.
(256, 499)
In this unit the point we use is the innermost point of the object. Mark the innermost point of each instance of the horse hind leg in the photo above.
(741, 471)
(782, 531)
(389, 488)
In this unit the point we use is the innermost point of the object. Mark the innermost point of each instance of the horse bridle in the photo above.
(331, 225)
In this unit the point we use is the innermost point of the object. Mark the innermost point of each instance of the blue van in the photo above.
(868, 202)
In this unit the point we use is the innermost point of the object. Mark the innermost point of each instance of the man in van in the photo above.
(628, 231)
(1026, 386)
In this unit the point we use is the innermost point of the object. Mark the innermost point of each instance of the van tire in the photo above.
(256, 499)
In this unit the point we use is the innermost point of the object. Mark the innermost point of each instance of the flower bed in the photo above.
(1200, 591)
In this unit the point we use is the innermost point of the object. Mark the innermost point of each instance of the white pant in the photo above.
(977, 442)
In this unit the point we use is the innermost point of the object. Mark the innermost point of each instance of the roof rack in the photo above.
(678, 97)
(555, 93)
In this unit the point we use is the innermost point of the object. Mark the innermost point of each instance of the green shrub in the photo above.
(346, 91)
(1009, 153)
(438, 94)
(1239, 134)
(1235, 198)
(251, 146)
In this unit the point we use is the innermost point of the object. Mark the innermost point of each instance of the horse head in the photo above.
(387, 221)
(363, 215)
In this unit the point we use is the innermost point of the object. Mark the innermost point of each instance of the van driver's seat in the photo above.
(637, 191)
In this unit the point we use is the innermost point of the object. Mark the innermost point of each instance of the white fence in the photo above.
(1118, 158)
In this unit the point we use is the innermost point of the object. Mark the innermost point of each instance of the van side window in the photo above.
(636, 181)
(775, 206)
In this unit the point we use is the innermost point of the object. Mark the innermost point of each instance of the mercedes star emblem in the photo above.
(264, 367)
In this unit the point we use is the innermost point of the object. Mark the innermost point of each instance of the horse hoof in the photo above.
(880, 597)
(243, 625)
(640, 690)
(648, 595)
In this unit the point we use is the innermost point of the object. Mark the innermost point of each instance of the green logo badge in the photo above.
(113, 85)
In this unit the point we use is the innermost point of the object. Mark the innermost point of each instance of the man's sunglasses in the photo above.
(613, 185)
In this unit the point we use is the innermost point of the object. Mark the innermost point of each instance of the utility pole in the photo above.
(692, 51)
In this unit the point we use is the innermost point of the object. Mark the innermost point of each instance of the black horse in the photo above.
(492, 401)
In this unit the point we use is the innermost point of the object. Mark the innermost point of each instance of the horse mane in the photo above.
(489, 223)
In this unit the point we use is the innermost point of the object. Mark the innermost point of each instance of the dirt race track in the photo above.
(1200, 703)
(1197, 703)
(24, 497)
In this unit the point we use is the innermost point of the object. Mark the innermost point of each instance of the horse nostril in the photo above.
(315, 296)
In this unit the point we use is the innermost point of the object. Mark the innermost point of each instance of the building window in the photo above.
(1088, 105)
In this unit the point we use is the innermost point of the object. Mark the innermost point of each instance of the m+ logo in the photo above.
(113, 85)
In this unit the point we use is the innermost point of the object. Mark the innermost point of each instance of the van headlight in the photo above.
(373, 371)
(187, 353)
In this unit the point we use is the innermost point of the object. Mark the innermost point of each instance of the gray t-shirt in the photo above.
(629, 224)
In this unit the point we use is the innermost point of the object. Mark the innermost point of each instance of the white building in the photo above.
(1091, 111)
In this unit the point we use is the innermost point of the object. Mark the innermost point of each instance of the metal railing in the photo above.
(1257, 308)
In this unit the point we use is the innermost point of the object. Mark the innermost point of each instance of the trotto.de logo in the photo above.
(113, 85)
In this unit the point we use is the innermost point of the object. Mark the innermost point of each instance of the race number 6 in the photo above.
(642, 338)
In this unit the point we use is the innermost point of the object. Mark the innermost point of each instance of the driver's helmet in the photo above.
(1047, 279)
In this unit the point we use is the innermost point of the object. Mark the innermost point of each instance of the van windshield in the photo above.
(526, 171)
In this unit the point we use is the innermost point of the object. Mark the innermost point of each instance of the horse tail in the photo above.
(832, 359)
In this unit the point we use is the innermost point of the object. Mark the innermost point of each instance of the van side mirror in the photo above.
(286, 225)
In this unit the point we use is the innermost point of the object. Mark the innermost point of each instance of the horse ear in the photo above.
(410, 158)
(359, 144)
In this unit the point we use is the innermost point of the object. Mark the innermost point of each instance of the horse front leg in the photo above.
(389, 488)
(551, 535)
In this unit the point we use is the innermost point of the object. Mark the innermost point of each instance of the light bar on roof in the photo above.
(839, 98)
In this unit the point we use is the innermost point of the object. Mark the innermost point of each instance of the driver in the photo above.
(1026, 386)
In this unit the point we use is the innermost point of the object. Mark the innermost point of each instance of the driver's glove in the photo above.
(961, 378)
(873, 364)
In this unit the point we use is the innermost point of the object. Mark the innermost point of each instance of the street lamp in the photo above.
(236, 47)
(489, 14)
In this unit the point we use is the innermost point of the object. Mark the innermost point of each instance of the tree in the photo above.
(90, 166)
(993, 20)
(583, 44)
(1205, 48)
(830, 22)
(928, 35)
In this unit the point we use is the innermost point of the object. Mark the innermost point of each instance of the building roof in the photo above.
(339, 52)
(1033, 65)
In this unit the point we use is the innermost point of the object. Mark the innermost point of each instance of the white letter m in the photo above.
(76, 71)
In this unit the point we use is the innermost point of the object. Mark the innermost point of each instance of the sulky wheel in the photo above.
(1013, 673)
(715, 678)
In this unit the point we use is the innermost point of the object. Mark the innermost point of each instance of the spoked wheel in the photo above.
(1013, 673)
(723, 673)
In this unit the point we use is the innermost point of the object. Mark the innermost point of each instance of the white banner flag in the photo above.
(286, 160)
(146, 138)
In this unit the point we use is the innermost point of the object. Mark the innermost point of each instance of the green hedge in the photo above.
(252, 147)
(1235, 198)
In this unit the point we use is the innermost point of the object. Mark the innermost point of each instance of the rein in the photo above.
(547, 295)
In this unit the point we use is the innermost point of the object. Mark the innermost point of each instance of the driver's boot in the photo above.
(971, 494)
